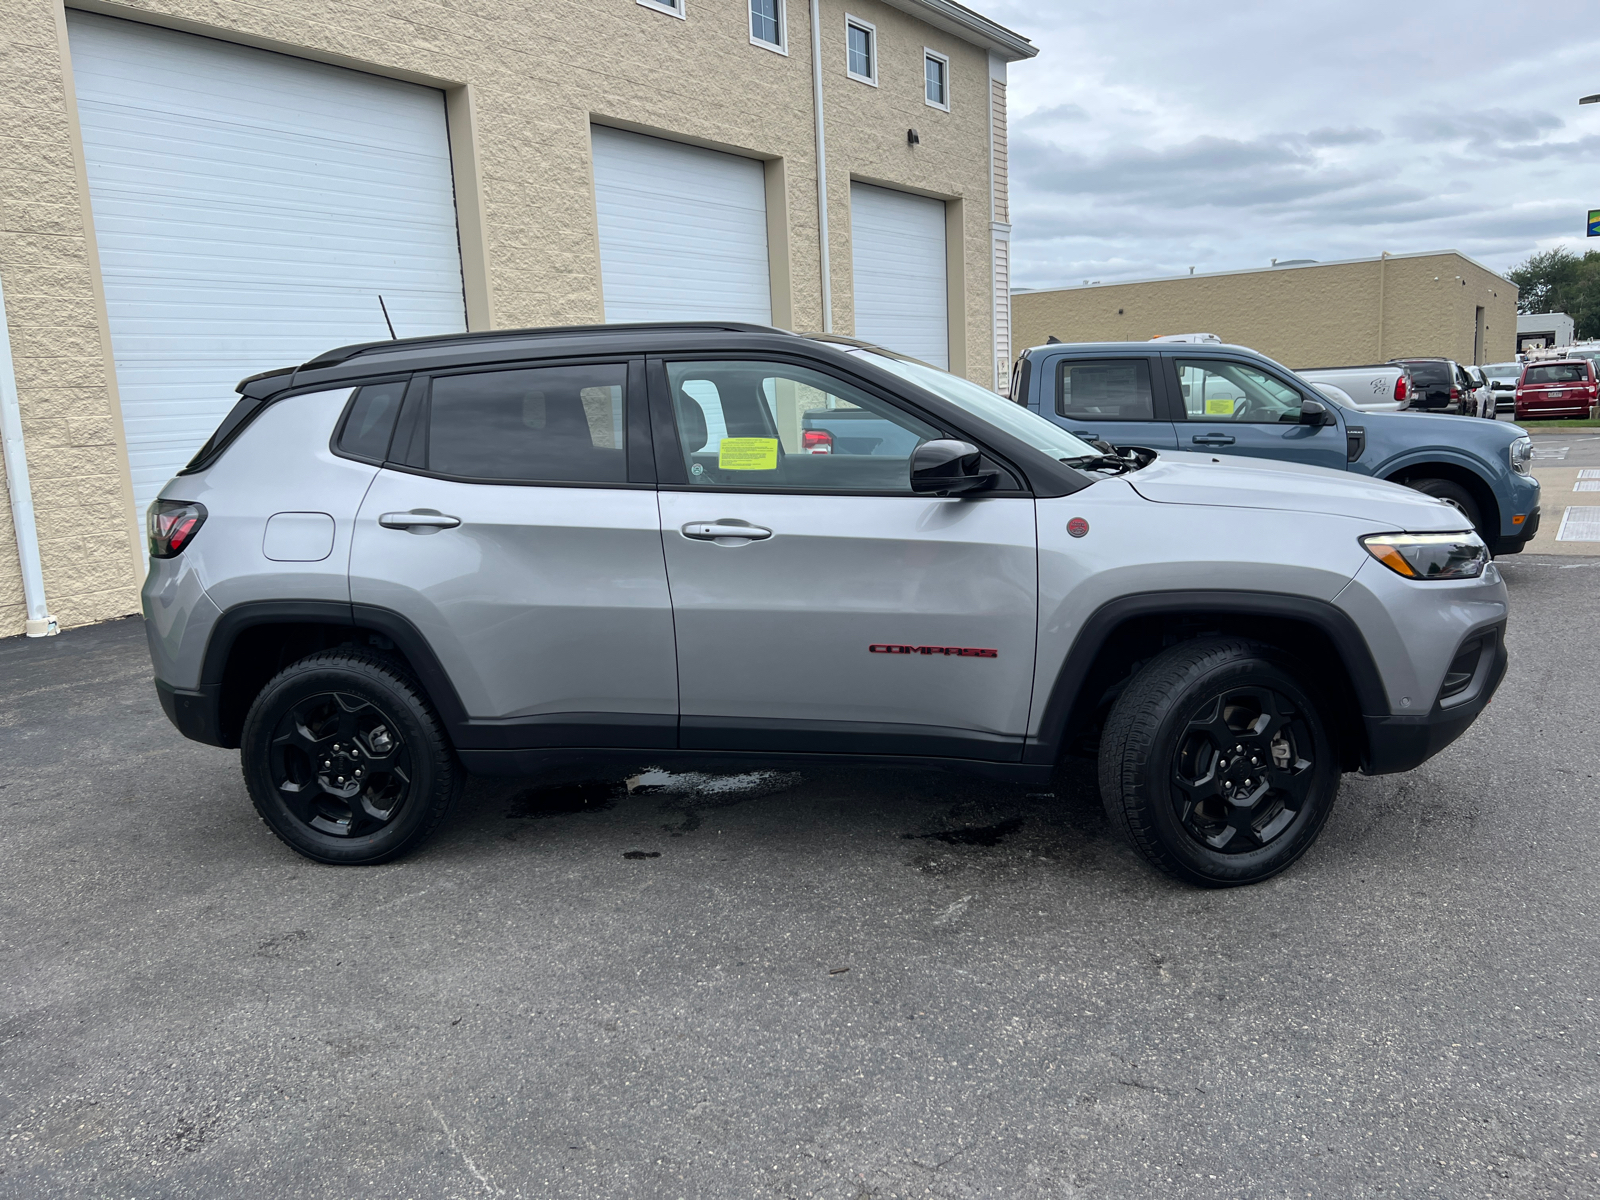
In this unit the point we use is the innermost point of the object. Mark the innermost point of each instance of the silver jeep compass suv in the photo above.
(563, 550)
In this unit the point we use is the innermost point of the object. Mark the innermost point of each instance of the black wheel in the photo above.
(1217, 764)
(1457, 497)
(345, 759)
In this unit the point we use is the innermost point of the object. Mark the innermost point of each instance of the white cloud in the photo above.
(1152, 136)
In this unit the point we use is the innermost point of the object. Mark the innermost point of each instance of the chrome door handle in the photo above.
(1214, 439)
(408, 520)
(710, 531)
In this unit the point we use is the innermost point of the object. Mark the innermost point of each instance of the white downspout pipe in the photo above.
(822, 167)
(39, 622)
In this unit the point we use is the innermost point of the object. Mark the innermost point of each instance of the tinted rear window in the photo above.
(1109, 390)
(556, 424)
(1432, 374)
(1558, 373)
(371, 420)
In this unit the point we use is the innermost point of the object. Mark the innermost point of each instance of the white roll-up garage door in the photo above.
(898, 256)
(683, 231)
(250, 208)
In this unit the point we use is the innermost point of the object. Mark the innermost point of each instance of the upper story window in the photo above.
(766, 24)
(861, 50)
(670, 7)
(936, 78)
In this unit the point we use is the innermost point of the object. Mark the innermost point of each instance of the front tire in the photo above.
(1216, 764)
(346, 761)
(1457, 497)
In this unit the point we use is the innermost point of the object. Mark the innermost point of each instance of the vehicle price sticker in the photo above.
(1219, 408)
(748, 454)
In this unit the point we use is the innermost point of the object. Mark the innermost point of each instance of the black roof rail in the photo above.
(333, 358)
(249, 379)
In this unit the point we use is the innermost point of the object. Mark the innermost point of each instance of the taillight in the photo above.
(817, 441)
(1455, 393)
(172, 525)
(1400, 387)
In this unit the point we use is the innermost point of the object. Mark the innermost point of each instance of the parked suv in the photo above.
(1557, 388)
(1230, 400)
(552, 551)
(1436, 384)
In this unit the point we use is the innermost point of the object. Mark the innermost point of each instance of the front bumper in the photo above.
(1399, 743)
(1516, 543)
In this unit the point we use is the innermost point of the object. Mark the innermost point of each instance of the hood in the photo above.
(1236, 482)
(1444, 430)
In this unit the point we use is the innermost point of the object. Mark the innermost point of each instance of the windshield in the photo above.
(992, 407)
(1511, 371)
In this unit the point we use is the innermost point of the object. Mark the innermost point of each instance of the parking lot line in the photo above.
(1580, 523)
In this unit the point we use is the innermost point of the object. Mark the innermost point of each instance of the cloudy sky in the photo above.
(1149, 137)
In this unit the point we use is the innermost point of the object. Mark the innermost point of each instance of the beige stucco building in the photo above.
(1314, 315)
(132, 133)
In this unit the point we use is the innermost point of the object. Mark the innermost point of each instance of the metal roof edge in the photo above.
(969, 27)
(1332, 262)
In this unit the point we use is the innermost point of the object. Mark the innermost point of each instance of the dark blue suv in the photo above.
(1218, 399)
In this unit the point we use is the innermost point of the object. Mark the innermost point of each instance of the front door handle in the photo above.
(711, 531)
(410, 520)
(1214, 439)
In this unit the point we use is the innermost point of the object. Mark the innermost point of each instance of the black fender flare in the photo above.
(1066, 706)
(406, 637)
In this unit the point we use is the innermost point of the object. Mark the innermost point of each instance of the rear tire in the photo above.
(1216, 764)
(346, 761)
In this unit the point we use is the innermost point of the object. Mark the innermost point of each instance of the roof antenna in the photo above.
(386, 320)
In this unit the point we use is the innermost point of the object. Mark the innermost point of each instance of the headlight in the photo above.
(1521, 452)
(1429, 555)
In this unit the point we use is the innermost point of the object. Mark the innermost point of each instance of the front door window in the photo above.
(1218, 390)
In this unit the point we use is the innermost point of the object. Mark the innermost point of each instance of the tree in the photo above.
(1559, 281)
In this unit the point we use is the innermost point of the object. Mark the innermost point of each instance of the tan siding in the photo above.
(1302, 316)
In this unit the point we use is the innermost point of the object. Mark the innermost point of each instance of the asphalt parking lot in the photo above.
(833, 985)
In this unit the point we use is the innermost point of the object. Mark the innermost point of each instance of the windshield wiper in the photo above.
(1120, 460)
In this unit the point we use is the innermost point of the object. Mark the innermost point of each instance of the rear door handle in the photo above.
(1214, 439)
(710, 531)
(409, 520)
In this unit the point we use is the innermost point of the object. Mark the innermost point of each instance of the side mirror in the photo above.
(946, 467)
(1315, 412)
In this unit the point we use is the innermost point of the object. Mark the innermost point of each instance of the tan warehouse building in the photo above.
(1303, 315)
(192, 192)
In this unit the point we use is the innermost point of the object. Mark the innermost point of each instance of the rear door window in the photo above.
(564, 424)
(1116, 389)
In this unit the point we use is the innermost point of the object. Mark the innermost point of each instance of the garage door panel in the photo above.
(898, 260)
(250, 208)
(683, 231)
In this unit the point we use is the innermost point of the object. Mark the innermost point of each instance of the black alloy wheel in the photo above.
(1216, 762)
(339, 765)
(1240, 771)
(346, 760)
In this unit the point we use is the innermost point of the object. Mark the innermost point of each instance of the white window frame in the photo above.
(673, 8)
(871, 31)
(783, 29)
(942, 58)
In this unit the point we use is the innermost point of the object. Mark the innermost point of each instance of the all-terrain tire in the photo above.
(1205, 697)
(356, 718)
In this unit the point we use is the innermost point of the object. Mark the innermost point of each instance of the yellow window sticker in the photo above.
(1219, 408)
(748, 454)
